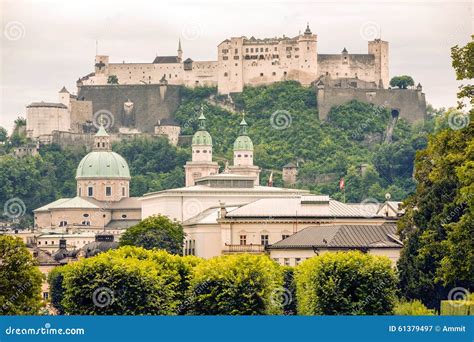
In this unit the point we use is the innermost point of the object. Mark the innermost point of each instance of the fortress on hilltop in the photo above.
(141, 98)
(245, 61)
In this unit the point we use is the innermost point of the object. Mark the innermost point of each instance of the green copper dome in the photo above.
(202, 138)
(103, 164)
(243, 143)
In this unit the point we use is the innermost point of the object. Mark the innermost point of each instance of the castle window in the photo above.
(225, 58)
(251, 50)
(123, 191)
(197, 151)
(85, 215)
(236, 57)
(274, 73)
(239, 155)
(276, 49)
(236, 51)
(90, 191)
(266, 49)
(63, 223)
(247, 50)
(124, 216)
(86, 223)
(204, 151)
(108, 191)
(246, 155)
(264, 240)
(80, 191)
(226, 74)
(261, 74)
(243, 239)
(284, 236)
(103, 144)
(285, 73)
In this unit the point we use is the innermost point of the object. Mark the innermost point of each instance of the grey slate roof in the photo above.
(301, 206)
(342, 236)
(166, 59)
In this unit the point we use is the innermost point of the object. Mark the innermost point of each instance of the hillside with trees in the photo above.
(284, 126)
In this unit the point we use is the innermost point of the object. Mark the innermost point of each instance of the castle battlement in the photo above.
(250, 61)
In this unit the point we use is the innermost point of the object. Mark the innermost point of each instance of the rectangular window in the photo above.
(90, 191)
(284, 236)
(264, 240)
(108, 191)
(286, 261)
(297, 261)
(123, 191)
(243, 239)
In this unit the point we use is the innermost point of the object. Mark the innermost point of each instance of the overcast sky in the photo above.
(46, 44)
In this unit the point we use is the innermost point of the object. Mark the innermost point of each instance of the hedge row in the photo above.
(135, 281)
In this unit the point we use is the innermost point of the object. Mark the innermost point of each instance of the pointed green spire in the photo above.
(243, 125)
(202, 120)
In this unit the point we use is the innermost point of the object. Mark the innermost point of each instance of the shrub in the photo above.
(155, 232)
(345, 283)
(127, 281)
(458, 307)
(56, 287)
(413, 308)
(20, 279)
(237, 285)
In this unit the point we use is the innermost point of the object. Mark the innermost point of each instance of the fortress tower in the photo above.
(201, 164)
(243, 155)
(379, 49)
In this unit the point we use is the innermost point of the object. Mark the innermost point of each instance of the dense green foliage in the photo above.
(438, 226)
(127, 281)
(20, 279)
(402, 82)
(56, 288)
(237, 285)
(155, 232)
(345, 283)
(413, 308)
(464, 307)
(284, 127)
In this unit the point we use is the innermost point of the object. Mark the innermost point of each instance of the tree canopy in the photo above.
(155, 232)
(20, 279)
(402, 82)
(438, 226)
